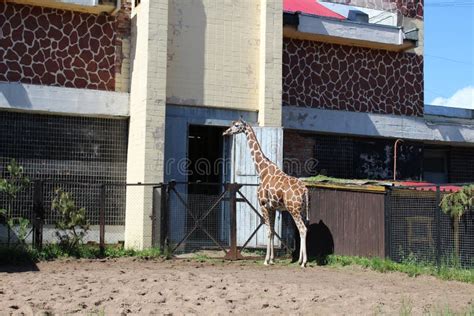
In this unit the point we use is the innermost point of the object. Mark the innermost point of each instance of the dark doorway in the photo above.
(206, 173)
(205, 153)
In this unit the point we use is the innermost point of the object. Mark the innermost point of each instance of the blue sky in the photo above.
(449, 53)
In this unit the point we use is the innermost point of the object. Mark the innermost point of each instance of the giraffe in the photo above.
(277, 191)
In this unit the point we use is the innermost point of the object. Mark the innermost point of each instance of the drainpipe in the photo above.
(395, 156)
(118, 6)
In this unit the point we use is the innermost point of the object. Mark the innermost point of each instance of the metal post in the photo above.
(164, 217)
(38, 213)
(234, 253)
(388, 213)
(102, 219)
(438, 225)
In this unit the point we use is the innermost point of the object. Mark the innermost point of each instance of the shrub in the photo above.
(11, 186)
(72, 225)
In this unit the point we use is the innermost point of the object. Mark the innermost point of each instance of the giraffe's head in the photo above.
(236, 128)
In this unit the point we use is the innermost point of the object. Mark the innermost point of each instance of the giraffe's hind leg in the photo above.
(303, 258)
(269, 217)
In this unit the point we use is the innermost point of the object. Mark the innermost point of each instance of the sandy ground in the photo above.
(128, 286)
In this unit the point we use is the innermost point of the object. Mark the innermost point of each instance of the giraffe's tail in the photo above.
(306, 202)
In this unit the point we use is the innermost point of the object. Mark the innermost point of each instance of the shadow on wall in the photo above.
(319, 243)
(187, 30)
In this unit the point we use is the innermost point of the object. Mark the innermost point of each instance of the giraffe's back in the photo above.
(283, 192)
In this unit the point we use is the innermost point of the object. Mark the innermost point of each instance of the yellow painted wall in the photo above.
(147, 117)
(220, 54)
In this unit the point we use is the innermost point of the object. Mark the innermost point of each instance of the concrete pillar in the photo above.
(270, 65)
(147, 116)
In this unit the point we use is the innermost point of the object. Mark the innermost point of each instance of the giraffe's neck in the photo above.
(261, 162)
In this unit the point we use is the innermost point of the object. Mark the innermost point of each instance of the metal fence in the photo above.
(104, 206)
(418, 230)
(215, 216)
(185, 217)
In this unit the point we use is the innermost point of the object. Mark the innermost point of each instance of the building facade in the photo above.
(97, 91)
(353, 86)
(139, 91)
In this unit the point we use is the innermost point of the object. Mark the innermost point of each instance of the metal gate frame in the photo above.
(233, 189)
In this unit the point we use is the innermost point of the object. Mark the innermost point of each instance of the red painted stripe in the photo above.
(310, 7)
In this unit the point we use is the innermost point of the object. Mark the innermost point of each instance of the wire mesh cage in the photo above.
(420, 231)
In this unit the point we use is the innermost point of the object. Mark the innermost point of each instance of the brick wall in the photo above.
(60, 48)
(338, 77)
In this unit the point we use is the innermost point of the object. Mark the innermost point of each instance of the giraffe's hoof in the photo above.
(303, 265)
(265, 263)
(271, 262)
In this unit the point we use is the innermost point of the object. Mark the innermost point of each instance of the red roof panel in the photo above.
(427, 186)
(310, 7)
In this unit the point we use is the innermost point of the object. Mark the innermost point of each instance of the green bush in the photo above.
(27, 254)
(11, 186)
(72, 225)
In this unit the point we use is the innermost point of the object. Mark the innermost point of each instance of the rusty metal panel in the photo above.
(349, 222)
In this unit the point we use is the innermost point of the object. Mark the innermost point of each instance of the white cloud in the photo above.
(463, 98)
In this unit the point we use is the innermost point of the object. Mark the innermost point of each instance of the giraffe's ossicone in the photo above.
(277, 191)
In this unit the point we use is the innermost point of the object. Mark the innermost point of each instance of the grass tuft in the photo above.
(411, 268)
(28, 254)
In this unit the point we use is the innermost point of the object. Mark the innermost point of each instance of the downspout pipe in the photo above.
(395, 157)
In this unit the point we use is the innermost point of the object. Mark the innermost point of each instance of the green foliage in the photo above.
(457, 203)
(11, 186)
(27, 254)
(16, 181)
(410, 267)
(72, 225)
(21, 226)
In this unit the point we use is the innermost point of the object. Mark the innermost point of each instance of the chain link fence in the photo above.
(418, 230)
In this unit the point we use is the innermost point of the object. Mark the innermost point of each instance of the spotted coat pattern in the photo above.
(277, 191)
(349, 78)
(55, 47)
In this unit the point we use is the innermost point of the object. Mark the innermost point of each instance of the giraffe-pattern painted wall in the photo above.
(407, 8)
(58, 48)
(338, 77)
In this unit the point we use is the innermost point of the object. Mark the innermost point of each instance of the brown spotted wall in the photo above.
(406, 8)
(349, 78)
(60, 48)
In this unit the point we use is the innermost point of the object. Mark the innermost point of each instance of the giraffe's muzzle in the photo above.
(227, 132)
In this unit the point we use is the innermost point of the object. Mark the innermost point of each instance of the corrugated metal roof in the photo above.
(310, 7)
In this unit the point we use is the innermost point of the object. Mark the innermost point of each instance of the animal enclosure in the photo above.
(399, 223)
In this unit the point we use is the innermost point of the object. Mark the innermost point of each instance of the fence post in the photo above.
(438, 228)
(102, 220)
(38, 213)
(234, 253)
(388, 214)
(164, 216)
